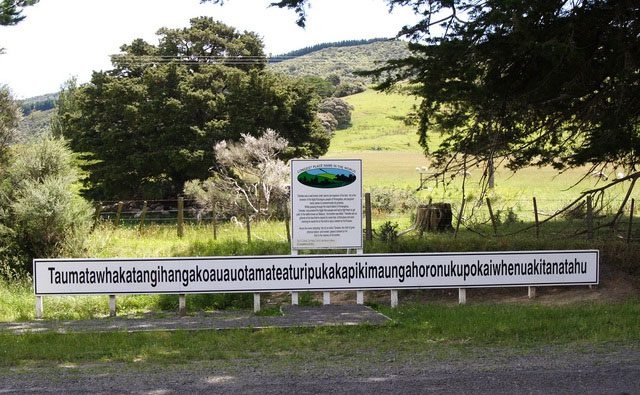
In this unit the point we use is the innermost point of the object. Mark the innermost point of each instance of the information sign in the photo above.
(326, 204)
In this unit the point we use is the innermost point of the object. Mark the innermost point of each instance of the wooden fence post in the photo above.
(142, 216)
(367, 216)
(589, 218)
(214, 221)
(118, 213)
(455, 234)
(287, 218)
(633, 203)
(180, 216)
(96, 215)
(493, 219)
(535, 211)
(248, 223)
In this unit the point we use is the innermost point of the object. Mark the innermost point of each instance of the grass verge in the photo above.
(414, 329)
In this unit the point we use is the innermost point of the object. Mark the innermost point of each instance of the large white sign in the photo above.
(326, 204)
(314, 272)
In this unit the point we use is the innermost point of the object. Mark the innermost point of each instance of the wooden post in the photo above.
(455, 234)
(118, 213)
(287, 218)
(96, 215)
(589, 217)
(256, 302)
(532, 292)
(39, 307)
(367, 216)
(491, 173)
(182, 305)
(112, 305)
(633, 203)
(214, 220)
(493, 219)
(326, 298)
(247, 221)
(535, 212)
(394, 298)
(180, 216)
(142, 216)
(462, 296)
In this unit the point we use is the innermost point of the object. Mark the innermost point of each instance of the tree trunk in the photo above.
(435, 217)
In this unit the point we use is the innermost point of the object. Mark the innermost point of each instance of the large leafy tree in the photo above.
(149, 125)
(530, 82)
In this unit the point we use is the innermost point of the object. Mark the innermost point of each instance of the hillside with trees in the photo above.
(343, 62)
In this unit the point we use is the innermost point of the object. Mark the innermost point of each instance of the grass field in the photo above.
(390, 153)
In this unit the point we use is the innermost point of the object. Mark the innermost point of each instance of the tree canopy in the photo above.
(549, 82)
(150, 124)
(11, 11)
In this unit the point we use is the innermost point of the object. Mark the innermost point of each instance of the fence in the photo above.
(489, 217)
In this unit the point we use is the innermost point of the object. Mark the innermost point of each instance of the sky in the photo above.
(61, 39)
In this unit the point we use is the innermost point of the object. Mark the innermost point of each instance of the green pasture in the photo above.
(390, 155)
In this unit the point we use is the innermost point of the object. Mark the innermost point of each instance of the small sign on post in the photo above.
(326, 204)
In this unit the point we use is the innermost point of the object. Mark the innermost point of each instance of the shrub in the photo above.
(41, 214)
(387, 232)
(348, 89)
(339, 108)
(387, 200)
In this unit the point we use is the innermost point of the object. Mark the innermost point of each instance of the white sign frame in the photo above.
(339, 226)
(433, 267)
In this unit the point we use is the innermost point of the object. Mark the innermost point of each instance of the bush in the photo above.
(388, 232)
(339, 108)
(41, 214)
(388, 200)
(348, 89)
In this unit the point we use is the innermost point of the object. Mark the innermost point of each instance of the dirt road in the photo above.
(605, 369)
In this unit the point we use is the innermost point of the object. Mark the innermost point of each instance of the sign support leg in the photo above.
(256, 302)
(294, 295)
(112, 305)
(360, 297)
(394, 298)
(182, 305)
(326, 298)
(462, 296)
(532, 292)
(39, 307)
(360, 294)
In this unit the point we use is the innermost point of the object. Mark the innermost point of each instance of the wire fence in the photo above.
(493, 217)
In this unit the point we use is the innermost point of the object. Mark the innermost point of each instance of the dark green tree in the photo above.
(547, 82)
(149, 125)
